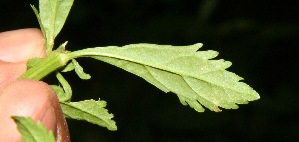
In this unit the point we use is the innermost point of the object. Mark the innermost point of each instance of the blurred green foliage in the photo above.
(259, 37)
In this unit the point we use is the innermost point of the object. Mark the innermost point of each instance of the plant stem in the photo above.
(45, 66)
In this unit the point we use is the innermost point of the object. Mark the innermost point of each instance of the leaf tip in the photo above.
(218, 110)
(198, 45)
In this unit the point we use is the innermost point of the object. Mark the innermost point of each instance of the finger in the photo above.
(21, 45)
(9, 72)
(16, 47)
(30, 98)
(62, 132)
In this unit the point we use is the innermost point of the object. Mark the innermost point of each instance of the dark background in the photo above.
(259, 37)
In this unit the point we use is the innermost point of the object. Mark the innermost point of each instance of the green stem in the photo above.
(45, 66)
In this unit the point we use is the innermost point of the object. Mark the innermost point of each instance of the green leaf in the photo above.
(184, 70)
(68, 67)
(62, 97)
(53, 14)
(32, 62)
(64, 93)
(79, 70)
(91, 111)
(32, 131)
(39, 20)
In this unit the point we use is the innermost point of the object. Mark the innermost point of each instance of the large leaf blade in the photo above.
(53, 14)
(184, 70)
(61, 15)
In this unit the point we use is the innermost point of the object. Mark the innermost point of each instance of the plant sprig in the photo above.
(193, 75)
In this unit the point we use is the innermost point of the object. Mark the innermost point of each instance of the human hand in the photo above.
(25, 97)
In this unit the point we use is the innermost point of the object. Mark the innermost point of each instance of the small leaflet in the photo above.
(91, 111)
(33, 131)
(79, 70)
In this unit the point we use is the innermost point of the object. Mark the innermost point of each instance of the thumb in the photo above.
(34, 99)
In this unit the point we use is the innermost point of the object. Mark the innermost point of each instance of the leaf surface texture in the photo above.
(33, 131)
(191, 74)
(91, 111)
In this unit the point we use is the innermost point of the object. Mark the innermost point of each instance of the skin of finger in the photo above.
(30, 98)
(21, 45)
(16, 47)
(10, 72)
(62, 133)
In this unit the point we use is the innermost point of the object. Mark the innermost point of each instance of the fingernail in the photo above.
(48, 118)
